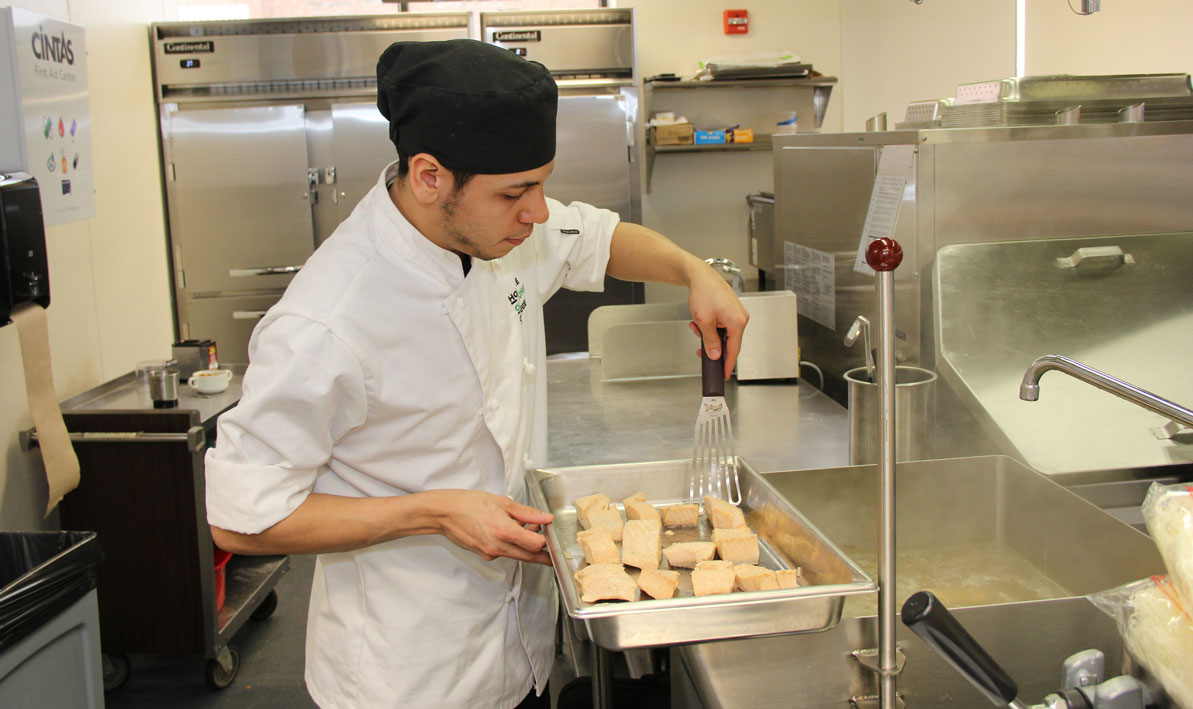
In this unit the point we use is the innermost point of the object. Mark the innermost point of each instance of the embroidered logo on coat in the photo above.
(517, 298)
(569, 231)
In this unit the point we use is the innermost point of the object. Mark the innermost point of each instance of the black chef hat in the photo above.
(474, 106)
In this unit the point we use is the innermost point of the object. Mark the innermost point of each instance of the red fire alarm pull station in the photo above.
(737, 21)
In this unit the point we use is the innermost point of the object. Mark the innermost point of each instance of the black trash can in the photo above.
(49, 620)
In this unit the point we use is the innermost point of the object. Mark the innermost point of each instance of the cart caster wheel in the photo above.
(267, 607)
(222, 670)
(116, 670)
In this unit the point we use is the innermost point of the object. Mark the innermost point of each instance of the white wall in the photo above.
(894, 52)
(108, 275)
(699, 200)
(1126, 37)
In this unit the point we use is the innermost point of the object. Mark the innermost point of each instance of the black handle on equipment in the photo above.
(712, 371)
(927, 617)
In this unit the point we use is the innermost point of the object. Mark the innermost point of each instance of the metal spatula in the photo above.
(714, 464)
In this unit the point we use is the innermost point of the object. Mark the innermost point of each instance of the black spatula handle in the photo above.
(927, 617)
(712, 371)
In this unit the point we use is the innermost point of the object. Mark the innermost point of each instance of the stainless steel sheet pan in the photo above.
(786, 540)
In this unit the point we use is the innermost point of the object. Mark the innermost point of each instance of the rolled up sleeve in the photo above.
(575, 252)
(303, 392)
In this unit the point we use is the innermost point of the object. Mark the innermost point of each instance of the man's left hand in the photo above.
(713, 305)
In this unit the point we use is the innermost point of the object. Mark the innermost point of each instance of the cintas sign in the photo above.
(49, 48)
(44, 97)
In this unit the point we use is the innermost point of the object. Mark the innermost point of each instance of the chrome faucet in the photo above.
(730, 272)
(1029, 389)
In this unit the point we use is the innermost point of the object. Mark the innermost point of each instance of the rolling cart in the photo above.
(142, 491)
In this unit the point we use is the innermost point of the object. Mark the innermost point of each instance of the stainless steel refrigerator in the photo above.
(270, 135)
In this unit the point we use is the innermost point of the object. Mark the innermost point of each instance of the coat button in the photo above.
(527, 463)
(492, 405)
(528, 366)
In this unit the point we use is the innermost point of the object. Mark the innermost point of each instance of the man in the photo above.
(397, 393)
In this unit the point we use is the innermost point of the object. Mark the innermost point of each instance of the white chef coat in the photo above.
(385, 371)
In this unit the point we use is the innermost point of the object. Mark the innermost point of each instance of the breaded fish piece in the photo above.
(680, 515)
(706, 582)
(721, 514)
(686, 554)
(657, 583)
(754, 578)
(598, 546)
(640, 544)
(605, 582)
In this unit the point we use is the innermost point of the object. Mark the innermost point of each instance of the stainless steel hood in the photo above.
(1049, 100)
(582, 44)
(310, 57)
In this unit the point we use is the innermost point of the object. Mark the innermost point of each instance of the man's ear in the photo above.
(428, 178)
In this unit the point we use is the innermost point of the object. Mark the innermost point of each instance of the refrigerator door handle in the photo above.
(248, 314)
(263, 271)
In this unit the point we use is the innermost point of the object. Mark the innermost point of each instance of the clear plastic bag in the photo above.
(1168, 511)
(1156, 629)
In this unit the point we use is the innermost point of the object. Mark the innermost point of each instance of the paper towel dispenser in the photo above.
(24, 269)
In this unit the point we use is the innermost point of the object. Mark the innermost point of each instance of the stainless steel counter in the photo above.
(779, 426)
(122, 394)
(776, 426)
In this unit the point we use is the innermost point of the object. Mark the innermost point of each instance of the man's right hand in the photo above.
(491, 525)
(487, 524)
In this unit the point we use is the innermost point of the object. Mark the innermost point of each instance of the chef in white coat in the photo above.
(397, 393)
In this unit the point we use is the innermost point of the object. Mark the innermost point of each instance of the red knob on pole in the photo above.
(884, 254)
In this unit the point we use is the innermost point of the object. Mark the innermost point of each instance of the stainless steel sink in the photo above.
(1120, 304)
(1040, 547)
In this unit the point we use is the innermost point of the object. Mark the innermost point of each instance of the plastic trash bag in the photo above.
(1156, 629)
(1168, 511)
(41, 575)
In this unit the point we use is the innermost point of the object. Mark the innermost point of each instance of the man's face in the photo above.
(495, 213)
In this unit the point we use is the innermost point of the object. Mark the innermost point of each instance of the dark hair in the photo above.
(459, 177)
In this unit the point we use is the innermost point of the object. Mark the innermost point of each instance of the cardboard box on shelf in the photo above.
(672, 134)
(710, 137)
(740, 135)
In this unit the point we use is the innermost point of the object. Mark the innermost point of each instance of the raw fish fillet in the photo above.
(754, 578)
(686, 554)
(681, 515)
(588, 503)
(721, 514)
(739, 550)
(598, 546)
(706, 582)
(609, 518)
(719, 534)
(640, 544)
(658, 584)
(636, 507)
(789, 578)
(606, 582)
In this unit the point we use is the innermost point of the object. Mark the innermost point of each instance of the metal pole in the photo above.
(884, 256)
(887, 614)
(602, 678)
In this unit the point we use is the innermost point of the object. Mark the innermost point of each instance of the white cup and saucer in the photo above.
(210, 381)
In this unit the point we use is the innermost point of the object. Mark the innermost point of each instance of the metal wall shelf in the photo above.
(819, 88)
(761, 142)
